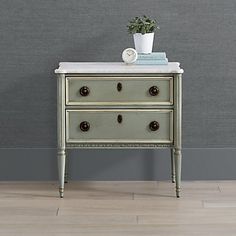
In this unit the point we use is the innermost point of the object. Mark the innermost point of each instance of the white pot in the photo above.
(143, 42)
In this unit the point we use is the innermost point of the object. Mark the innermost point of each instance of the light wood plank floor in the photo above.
(118, 208)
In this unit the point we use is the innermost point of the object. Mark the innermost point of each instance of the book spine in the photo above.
(151, 62)
(157, 56)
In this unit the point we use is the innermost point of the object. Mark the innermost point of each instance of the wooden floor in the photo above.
(118, 208)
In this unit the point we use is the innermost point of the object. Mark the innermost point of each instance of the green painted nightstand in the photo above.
(113, 105)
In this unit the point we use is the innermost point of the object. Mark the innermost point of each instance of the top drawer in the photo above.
(119, 90)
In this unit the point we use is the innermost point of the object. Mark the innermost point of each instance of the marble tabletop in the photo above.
(116, 67)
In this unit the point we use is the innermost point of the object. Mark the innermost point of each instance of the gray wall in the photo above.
(36, 35)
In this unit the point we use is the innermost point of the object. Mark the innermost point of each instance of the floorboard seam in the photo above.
(57, 211)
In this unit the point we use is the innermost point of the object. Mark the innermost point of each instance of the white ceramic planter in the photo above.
(143, 42)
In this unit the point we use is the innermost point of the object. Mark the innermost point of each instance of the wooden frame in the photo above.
(120, 78)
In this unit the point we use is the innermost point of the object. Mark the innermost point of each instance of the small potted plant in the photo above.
(143, 29)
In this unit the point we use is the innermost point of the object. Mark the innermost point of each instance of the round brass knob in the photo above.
(154, 91)
(154, 126)
(84, 91)
(84, 126)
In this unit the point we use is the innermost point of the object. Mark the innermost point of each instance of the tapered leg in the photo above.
(61, 152)
(178, 130)
(66, 171)
(172, 166)
(61, 170)
(178, 158)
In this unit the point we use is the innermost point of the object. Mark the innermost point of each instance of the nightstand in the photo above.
(114, 105)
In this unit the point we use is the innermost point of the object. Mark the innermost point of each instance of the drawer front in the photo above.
(122, 126)
(119, 90)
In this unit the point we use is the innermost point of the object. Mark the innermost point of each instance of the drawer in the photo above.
(122, 126)
(119, 90)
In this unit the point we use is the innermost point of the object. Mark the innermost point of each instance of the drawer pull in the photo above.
(154, 91)
(84, 91)
(154, 126)
(119, 87)
(119, 118)
(84, 126)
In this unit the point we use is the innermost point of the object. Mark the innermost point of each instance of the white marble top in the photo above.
(116, 67)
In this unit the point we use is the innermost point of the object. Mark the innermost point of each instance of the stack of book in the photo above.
(155, 58)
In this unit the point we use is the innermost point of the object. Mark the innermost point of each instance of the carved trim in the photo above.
(177, 151)
(117, 145)
(61, 152)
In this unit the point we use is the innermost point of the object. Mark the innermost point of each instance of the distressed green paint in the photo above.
(104, 126)
(104, 90)
(102, 106)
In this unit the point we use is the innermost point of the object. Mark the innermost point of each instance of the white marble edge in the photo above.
(116, 67)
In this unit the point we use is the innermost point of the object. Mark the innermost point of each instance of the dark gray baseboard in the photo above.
(41, 164)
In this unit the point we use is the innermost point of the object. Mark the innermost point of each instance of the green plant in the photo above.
(142, 25)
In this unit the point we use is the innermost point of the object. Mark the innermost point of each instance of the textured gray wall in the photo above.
(40, 164)
(36, 35)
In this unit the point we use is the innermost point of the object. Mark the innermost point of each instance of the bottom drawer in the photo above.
(119, 126)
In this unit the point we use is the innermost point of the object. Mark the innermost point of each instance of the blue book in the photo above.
(151, 56)
(152, 62)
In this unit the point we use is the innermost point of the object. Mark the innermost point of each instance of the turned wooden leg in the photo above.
(172, 166)
(178, 131)
(61, 137)
(61, 170)
(178, 158)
